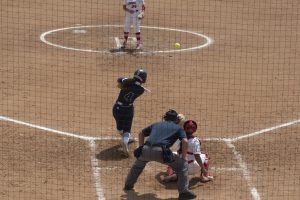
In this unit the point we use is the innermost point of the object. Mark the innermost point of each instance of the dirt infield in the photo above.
(57, 135)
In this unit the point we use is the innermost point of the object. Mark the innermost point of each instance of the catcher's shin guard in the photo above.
(206, 177)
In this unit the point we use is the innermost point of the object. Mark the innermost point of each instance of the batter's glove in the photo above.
(141, 15)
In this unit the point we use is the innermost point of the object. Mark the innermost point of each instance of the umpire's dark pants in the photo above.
(180, 166)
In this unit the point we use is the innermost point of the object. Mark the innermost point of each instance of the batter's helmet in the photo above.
(171, 115)
(190, 126)
(140, 75)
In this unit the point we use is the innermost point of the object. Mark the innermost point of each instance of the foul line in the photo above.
(265, 130)
(96, 169)
(94, 161)
(245, 171)
(219, 169)
(82, 137)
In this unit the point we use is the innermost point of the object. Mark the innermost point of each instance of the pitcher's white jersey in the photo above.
(134, 5)
(131, 18)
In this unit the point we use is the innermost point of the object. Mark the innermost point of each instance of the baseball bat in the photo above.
(146, 89)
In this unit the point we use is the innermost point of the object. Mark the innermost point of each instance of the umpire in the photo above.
(161, 136)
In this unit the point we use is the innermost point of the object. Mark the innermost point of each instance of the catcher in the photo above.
(123, 110)
(198, 162)
(134, 13)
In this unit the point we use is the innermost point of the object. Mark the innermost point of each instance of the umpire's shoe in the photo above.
(187, 195)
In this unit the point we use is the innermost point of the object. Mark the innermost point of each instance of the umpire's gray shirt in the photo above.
(164, 133)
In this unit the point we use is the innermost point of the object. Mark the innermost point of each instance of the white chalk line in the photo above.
(82, 137)
(96, 169)
(68, 134)
(208, 42)
(94, 161)
(242, 164)
(266, 130)
(245, 171)
(217, 169)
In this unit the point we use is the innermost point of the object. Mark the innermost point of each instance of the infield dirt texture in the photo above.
(57, 133)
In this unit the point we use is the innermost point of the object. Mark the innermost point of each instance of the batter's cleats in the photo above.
(125, 150)
(187, 195)
(131, 140)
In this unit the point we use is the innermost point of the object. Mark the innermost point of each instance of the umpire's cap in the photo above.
(140, 75)
(171, 115)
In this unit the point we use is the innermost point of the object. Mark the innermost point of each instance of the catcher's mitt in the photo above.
(141, 15)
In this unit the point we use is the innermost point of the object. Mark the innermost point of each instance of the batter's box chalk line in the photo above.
(97, 170)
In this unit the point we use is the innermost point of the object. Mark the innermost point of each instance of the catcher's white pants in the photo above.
(194, 167)
(132, 19)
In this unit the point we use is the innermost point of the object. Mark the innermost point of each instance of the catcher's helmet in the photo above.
(190, 126)
(140, 75)
(171, 115)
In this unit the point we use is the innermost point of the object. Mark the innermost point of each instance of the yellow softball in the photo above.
(177, 45)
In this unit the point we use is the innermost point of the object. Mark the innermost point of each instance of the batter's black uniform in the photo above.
(123, 109)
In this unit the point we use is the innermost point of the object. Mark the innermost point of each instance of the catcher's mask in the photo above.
(140, 75)
(190, 126)
(171, 115)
